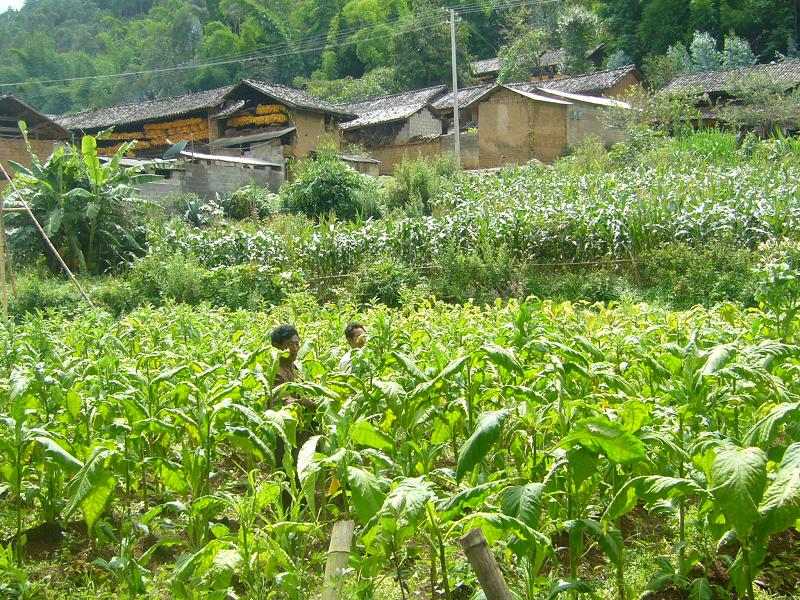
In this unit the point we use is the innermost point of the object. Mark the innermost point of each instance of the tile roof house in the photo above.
(611, 82)
(391, 126)
(525, 121)
(265, 123)
(718, 83)
(44, 134)
(550, 63)
(96, 119)
(389, 109)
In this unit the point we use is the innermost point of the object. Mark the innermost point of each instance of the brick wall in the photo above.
(419, 124)
(15, 150)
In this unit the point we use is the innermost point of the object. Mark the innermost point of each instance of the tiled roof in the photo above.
(787, 72)
(139, 112)
(295, 98)
(489, 66)
(589, 83)
(486, 66)
(11, 106)
(466, 96)
(388, 109)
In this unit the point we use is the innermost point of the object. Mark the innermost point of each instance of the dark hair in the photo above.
(282, 333)
(351, 327)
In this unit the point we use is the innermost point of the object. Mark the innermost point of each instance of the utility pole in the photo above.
(456, 122)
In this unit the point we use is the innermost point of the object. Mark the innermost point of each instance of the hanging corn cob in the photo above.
(269, 119)
(270, 109)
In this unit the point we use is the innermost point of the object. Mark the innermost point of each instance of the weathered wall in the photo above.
(470, 148)
(15, 150)
(622, 86)
(515, 129)
(420, 124)
(390, 156)
(587, 120)
(310, 128)
(208, 180)
(549, 131)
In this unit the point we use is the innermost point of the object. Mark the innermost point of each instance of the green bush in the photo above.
(591, 286)
(482, 274)
(177, 277)
(418, 182)
(117, 295)
(250, 202)
(326, 185)
(382, 280)
(684, 276)
(250, 286)
(37, 293)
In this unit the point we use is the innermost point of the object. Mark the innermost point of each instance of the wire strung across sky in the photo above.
(344, 37)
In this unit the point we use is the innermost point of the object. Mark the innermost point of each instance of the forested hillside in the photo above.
(386, 45)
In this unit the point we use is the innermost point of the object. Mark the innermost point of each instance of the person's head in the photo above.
(285, 337)
(356, 335)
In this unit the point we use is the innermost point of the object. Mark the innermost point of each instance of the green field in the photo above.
(646, 439)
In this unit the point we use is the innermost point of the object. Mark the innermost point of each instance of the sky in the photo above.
(6, 4)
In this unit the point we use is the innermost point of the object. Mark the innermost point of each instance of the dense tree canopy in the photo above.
(327, 44)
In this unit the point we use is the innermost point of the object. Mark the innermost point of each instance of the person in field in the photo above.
(286, 339)
(356, 336)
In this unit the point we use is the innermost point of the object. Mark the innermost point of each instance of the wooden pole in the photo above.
(3, 286)
(338, 555)
(11, 278)
(482, 560)
(46, 239)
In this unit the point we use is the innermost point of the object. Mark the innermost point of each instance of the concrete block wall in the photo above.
(470, 148)
(419, 124)
(208, 180)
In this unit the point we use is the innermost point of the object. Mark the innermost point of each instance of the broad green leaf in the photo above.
(503, 358)
(57, 454)
(305, 458)
(717, 359)
(53, 221)
(367, 495)
(649, 489)
(473, 497)
(600, 434)
(90, 479)
(568, 585)
(700, 589)
(94, 503)
(90, 159)
(451, 369)
(487, 432)
(780, 507)
(409, 365)
(366, 434)
(765, 430)
(738, 477)
(523, 502)
(608, 538)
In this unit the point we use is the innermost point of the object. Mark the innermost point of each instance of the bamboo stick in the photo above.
(46, 239)
(483, 562)
(338, 555)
